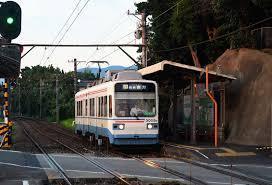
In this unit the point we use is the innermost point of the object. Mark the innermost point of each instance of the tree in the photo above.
(187, 22)
(86, 75)
(42, 78)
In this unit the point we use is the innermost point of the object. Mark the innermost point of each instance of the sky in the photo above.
(101, 21)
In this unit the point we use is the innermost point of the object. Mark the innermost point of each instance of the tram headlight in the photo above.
(149, 126)
(118, 126)
(152, 126)
(121, 127)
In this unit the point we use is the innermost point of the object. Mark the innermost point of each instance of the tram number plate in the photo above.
(150, 120)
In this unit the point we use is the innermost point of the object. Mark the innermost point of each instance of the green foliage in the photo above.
(187, 22)
(40, 79)
(86, 75)
(68, 123)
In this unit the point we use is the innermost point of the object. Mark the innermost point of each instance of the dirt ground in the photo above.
(249, 98)
(20, 141)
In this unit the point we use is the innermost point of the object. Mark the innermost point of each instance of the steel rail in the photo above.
(97, 164)
(186, 148)
(165, 169)
(49, 158)
(221, 171)
(55, 128)
(146, 162)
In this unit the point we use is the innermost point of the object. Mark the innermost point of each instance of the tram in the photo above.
(123, 110)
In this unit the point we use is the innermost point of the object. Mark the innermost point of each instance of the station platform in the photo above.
(225, 152)
(32, 169)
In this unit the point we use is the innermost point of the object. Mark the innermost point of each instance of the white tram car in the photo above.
(124, 110)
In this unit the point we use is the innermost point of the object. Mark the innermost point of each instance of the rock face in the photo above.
(249, 98)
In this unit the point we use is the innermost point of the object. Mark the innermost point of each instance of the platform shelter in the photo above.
(187, 112)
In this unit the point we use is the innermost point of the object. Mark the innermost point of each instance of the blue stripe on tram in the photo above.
(120, 139)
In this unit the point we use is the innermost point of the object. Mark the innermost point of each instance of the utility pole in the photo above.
(75, 76)
(57, 99)
(76, 62)
(40, 98)
(144, 49)
(143, 31)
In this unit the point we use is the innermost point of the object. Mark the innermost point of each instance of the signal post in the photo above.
(10, 28)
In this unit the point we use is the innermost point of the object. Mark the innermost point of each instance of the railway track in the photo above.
(227, 171)
(115, 174)
(149, 163)
(165, 169)
(48, 157)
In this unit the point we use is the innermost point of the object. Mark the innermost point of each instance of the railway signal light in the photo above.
(10, 20)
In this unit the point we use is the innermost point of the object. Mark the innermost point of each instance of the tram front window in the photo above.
(135, 104)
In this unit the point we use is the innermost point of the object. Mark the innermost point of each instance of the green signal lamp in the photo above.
(10, 20)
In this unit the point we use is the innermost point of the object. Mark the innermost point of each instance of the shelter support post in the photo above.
(174, 113)
(193, 124)
(215, 108)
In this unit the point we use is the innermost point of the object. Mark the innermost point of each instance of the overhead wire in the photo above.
(122, 37)
(217, 38)
(184, 10)
(63, 26)
(164, 12)
(113, 51)
(116, 27)
(95, 51)
(43, 56)
(110, 43)
(66, 22)
(78, 14)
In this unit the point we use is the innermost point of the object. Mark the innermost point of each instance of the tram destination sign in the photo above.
(134, 87)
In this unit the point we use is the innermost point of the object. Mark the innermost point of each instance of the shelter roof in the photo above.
(172, 70)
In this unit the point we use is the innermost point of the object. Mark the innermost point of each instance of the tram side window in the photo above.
(92, 107)
(99, 107)
(96, 106)
(77, 108)
(105, 110)
(86, 107)
(78, 113)
(80, 108)
(110, 106)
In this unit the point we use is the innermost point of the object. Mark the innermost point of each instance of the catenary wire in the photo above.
(63, 26)
(78, 14)
(217, 38)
